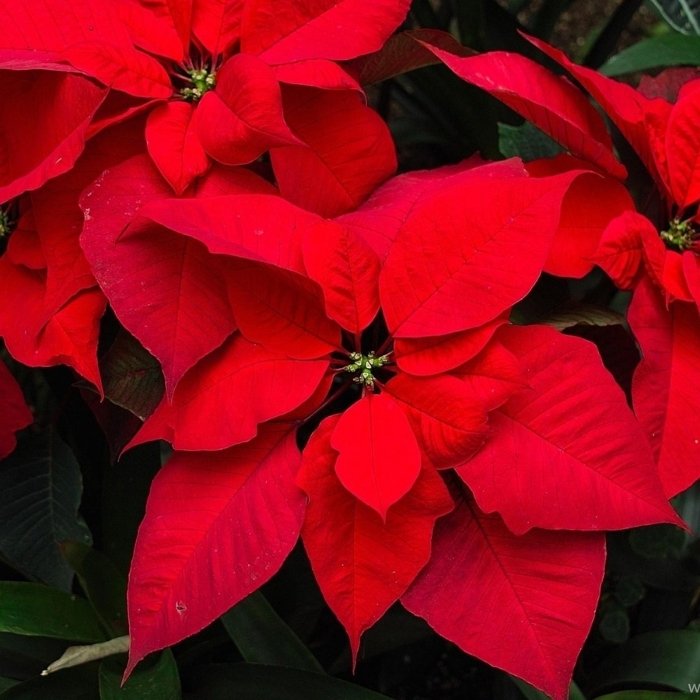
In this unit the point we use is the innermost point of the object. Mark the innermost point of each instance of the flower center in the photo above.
(364, 366)
(680, 235)
(201, 80)
(6, 224)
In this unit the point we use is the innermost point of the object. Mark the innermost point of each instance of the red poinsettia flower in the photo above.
(392, 319)
(210, 73)
(659, 242)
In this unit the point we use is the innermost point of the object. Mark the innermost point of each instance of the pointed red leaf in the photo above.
(223, 399)
(335, 29)
(217, 23)
(174, 146)
(347, 270)
(43, 125)
(683, 147)
(282, 310)
(425, 356)
(577, 236)
(242, 117)
(316, 72)
(447, 419)
(571, 433)
(332, 174)
(362, 564)
(549, 101)
(523, 604)
(379, 459)
(14, 411)
(382, 216)
(217, 526)
(619, 251)
(444, 275)
(157, 282)
(493, 376)
(664, 388)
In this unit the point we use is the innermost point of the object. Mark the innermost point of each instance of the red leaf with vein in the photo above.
(442, 277)
(332, 174)
(174, 146)
(223, 399)
(242, 117)
(156, 281)
(217, 23)
(571, 433)
(363, 564)
(619, 251)
(316, 72)
(664, 387)
(347, 270)
(378, 456)
(523, 604)
(217, 526)
(426, 356)
(447, 420)
(282, 310)
(43, 125)
(549, 101)
(335, 29)
(683, 147)
(13, 409)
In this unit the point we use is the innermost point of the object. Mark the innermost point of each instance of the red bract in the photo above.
(208, 73)
(312, 300)
(14, 411)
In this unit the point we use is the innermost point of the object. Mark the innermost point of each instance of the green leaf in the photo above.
(7, 683)
(657, 52)
(36, 610)
(74, 684)
(131, 376)
(262, 636)
(681, 15)
(103, 583)
(159, 681)
(670, 658)
(40, 489)
(532, 694)
(258, 682)
(526, 142)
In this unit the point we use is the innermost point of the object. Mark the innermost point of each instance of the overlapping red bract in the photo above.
(271, 294)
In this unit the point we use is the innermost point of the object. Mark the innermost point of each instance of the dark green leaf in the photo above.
(257, 682)
(263, 637)
(7, 683)
(670, 658)
(658, 542)
(658, 52)
(681, 15)
(73, 684)
(131, 376)
(159, 681)
(40, 489)
(103, 583)
(526, 142)
(36, 610)
(532, 694)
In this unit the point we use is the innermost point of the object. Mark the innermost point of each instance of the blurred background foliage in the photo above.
(70, 510)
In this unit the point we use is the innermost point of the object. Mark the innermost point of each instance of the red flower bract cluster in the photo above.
(338, 358)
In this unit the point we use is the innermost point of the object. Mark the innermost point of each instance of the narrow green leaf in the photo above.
(159, 681)
(40, 489)
(258, 682)
(670, 658)
(36, 610)
(658, 52)
(73, 684)
(262, 636)
(103, 583)
(681, 15)
(7, 683)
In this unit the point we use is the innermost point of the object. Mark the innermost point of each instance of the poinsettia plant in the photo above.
(202, 221)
